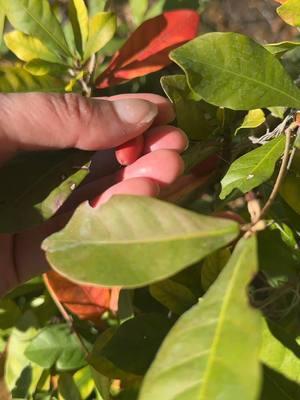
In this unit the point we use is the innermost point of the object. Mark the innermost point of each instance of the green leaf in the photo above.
(56, 345)
(37, 184)
(281, 48)
(84, 382)
(212, 267)
(95, 6)
(67, 389)
(172, 239)
(132, 348)
(41, 68)
(35, 17)
(138, 10)
(233, 71)
(290, 12)
(252, 120)
(78, 15)
(205, 355)
(9, 314)
(16, 79)
(253, 168)
(2, 22)
(22, 375)
(278, 357)
(173, 295)
(28, 48)
(196, 117)
(102, 27)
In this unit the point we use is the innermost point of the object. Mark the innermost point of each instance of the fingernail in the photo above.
(135, 111)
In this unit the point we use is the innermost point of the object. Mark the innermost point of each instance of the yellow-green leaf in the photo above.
(253, 119)
(28, 48)
(290, 12)
(102, 27)
(40, 68)
(79, 18)
(2, 20)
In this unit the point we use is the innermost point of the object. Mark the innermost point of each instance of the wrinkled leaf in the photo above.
(231, 70)
(56, 345)
(16, 79)
(28, 48)
(290, 12)
(147, 49)
(132, 347)
(253, 168)
(196, 117)
(253, 119)
(139, 253)
(102, 27)
(35, 17)
(36, 186)
(78, 15)
(204, 355)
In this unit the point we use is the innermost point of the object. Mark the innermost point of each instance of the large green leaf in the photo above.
(79, 18)
(113, 246)
(212, 352)
(290, 12)
(16, 79)
(132, 347)
(196, 117)
(28, 47)
(253, 168)
(102, 27)
(233, 71)
(35, 17)
(278, 357)
(56, 345)
(37, 184)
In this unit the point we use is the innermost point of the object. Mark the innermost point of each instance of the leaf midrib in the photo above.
(242, 76)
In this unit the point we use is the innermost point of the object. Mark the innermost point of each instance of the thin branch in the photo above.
(67, 317)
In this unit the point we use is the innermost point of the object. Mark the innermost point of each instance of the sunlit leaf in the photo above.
(231, 70)
(253, 119)
(78, 15)
(253, 168)
(290, 12)
(139, 253)
(204, 356)
(28, 48)
(102, 27)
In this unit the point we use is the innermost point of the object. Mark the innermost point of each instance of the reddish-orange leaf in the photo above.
(87, 302)
(147, 50)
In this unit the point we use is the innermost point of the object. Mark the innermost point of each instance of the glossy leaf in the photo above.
(290, 12)
(102, 27)
(253, 119)
(56, 345)
(204, 355)
(212, 267)
(28, 48)
(147, 49)
(35, 17)
(196, 117)
(140, 253)
(277, 356)
(87, 302)
(78, 15)
(37, 184)
(16, 79)
(132, 347)
(233, 71)
(253, 168)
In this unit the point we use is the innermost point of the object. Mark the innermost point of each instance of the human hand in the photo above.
(49, 121)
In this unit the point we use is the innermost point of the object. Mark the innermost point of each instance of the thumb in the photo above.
(36, 121)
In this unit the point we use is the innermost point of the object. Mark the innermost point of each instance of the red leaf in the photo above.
(87, 302)
(147, 50)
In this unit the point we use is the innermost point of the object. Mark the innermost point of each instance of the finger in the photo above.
(34, 121)
(163, 166)
(135, 186)
(166, 112)
(130, 151)
(165, 138)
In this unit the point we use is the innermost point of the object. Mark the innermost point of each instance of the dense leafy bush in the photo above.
(203, 301)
